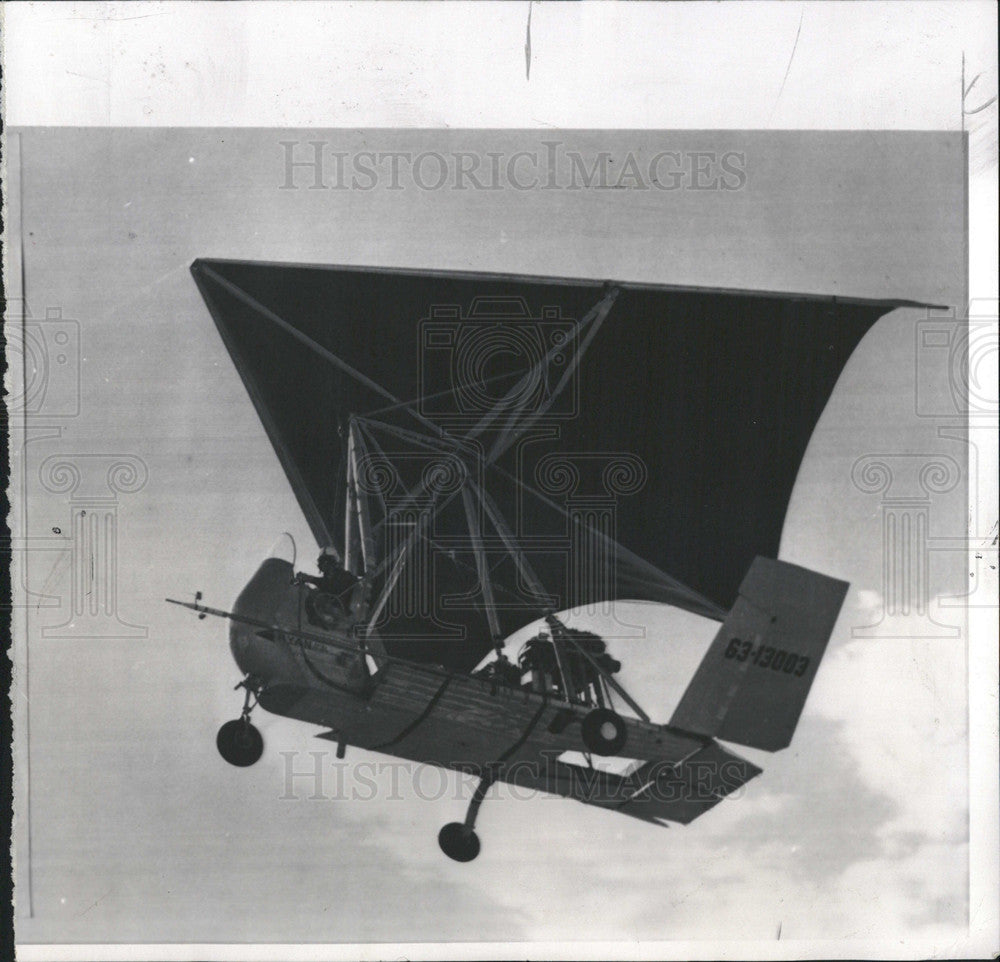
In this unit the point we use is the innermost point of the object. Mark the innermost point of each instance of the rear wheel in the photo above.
(458, 842)
(239, 743)
(604, 732)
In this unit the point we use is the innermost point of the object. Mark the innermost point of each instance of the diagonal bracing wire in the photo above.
(592, 322)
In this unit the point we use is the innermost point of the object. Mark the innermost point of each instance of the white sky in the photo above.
(139, 832)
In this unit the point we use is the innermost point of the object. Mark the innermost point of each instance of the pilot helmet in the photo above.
(329, 558)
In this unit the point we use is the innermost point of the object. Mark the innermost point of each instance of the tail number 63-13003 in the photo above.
(767, 656)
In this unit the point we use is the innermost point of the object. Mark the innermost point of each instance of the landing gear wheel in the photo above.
(458, 842)
(604, 732)
(239, 743)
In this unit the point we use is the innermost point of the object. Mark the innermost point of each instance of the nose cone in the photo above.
(256, 649)
(242, 645)
(257, 652)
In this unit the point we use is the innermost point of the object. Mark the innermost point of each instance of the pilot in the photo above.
(333, 579)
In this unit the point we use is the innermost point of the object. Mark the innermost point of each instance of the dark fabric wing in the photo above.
(655, 464)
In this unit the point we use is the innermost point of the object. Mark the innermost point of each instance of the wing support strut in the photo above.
(350, 504)
(361, 503)
(483, 567)
(396, 571)
(500, 523)
(317, 348)
(509, 542)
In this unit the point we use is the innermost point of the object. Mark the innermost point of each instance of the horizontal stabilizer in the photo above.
(682, 792)
(752, 685)
(658, 791)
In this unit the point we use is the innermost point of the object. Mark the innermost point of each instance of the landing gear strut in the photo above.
(239, 743)
(458, 840)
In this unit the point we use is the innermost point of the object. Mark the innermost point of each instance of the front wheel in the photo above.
(604, 732)
(239, 743)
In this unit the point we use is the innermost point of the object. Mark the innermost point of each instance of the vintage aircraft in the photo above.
(473, 452)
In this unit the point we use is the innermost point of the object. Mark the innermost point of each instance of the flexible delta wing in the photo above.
(691, 410)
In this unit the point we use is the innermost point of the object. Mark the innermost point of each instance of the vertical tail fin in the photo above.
(752, 685)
